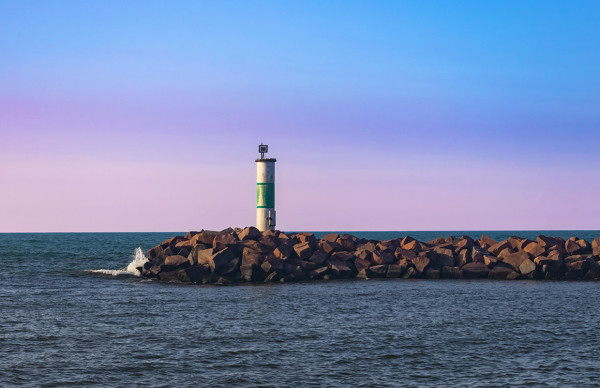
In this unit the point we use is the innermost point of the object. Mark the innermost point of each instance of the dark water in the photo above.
(61, 325)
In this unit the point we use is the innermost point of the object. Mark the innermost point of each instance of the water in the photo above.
(61, 324)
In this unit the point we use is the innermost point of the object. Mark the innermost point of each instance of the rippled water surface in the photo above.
(61, 325)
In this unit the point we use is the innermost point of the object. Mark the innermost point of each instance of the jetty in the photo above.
(238, 255)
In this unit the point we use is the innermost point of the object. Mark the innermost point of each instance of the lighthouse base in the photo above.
(265, 219)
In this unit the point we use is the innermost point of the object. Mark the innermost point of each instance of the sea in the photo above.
(73, 312)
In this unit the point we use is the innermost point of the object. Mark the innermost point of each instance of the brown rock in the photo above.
(485, 242)
(490, 261)
(515, 259)
(176, 260)
(572, 248)
(318, 273)
(410, 273)
(220, 259)
(585, 246)
(477, 255)
(553, 258)
(444, 257)
(361, 264)
(505, 253)
(252, 273)
(347, 242)
(252, 257)
(331, 237)
(596, 247)
(475, 270)
(306, 237)
(269, 241)
(394, 271)
(283, 251)
(200, 255)
(170, 243)
(224, 240)
(178, 276)
(339, 268)
(437, 241)
(251, 244)
(319, 257)
(190, 234)
(187, 244)
(329, 247)
(499, 247)
(404, 254)
(534, 249)
(465, 243)
(342, 256)
(500, 271)
(380, 257)
(231, 267)
(250, 233)
(422, 262)
(451, 273)
(463, 257)
(303, 250)
(271, 263)
(432, 273)
(527, 267)
(206, 237)
(377, 271)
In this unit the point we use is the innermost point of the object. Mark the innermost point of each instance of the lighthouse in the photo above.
(265, 190)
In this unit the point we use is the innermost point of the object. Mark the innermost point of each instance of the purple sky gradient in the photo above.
(383, 116)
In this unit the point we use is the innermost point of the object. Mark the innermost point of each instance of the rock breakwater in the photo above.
(247, 255)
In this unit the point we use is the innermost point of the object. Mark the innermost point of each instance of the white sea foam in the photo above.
(138, 260)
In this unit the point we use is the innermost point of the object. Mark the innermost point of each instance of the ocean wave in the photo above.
(138, 260)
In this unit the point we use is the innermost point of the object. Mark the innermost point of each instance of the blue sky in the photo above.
(461, 97)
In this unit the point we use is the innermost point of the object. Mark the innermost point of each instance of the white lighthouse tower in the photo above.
(265, 190)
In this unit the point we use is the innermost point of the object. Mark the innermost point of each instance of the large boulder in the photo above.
(486, 242)
(271, 263)
(394, 271)
(252, 273)
(329, 246)
(224, 240)
(318, 273)
(444, 257)
(361, 264)
(534, 249)
(572, 248)
(347, 242)
(177, 261)
(527, 267)
(499, 247)
(250, 233)
(206, 237)
(178, 276)
(501, 271)
(451, 272)
(515, 260)
(339, 268)
(220, 259)
(252, 257)
(377, 271)
(331, 237)
(284, 250)
(304, 250)
(423, 261)
(200, 255)
(319, 257)
(383, 257)
(475, 270)
(269, 241)
(596, 247)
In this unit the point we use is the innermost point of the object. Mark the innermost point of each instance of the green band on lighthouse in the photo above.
(265, 195)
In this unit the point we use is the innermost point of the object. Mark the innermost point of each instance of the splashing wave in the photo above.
(138, 260)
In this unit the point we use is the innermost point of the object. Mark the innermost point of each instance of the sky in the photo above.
(383, 115)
